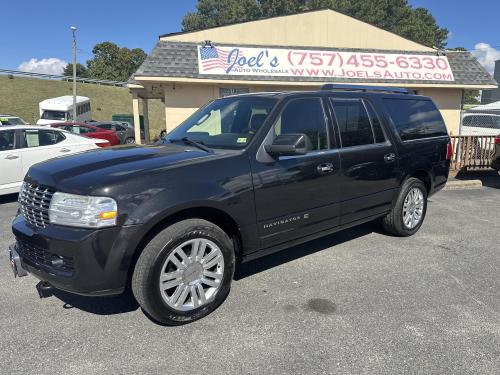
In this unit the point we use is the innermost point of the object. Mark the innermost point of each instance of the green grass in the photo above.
(20, 97)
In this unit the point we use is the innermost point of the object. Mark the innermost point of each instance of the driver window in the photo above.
(305, 116)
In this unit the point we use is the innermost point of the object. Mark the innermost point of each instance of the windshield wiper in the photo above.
(190, 142)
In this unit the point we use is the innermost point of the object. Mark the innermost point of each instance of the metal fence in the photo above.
(62, 78)
(472, 152)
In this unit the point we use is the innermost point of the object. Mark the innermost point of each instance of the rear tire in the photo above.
(408, 214)
(185, 272)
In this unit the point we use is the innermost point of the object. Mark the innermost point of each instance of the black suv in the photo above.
(243, 177)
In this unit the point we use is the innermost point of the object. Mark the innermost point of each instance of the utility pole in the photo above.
(73, 30)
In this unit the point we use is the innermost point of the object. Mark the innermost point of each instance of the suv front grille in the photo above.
(34, 201)
(41, 257)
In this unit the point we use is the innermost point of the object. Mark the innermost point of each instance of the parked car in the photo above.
(243, 177)
(124, 130)
(11, 120)
(22, 146)
(90, 131)
(495, 163)
(480, 124)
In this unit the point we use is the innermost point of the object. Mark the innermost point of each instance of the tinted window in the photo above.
(7, 140)
(105, 126)
(304, 116)
(490, 122)
(118, 128)
(38, 138)
(416, 119)
(377, 126)
(353, 123)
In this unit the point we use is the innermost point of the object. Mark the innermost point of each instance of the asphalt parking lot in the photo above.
(358, 302)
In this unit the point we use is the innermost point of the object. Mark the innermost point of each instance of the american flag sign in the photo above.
(214, 58)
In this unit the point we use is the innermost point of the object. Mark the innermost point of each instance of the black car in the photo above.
(243, 177)
(495, 163)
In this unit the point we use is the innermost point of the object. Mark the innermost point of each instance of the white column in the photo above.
(137, 119)
(165, 103)
(145, 113)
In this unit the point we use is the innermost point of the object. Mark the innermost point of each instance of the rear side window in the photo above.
(7, 140)
(353, 123)
(39, 138)
(416, 119)
(490, 122)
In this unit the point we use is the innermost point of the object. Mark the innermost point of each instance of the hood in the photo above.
(98, 169)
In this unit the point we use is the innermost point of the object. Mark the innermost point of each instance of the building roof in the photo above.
(180, 60)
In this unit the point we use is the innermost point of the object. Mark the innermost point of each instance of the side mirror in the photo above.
(288, 145)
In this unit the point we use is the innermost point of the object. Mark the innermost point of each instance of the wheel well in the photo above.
(424, 177)
(215, 216)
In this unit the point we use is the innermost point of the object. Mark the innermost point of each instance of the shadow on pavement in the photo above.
(8, 198)
(119, 304)
(287, 255)
(488, 178)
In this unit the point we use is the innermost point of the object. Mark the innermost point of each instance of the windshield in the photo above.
(11, 121)
(53, 115)
(225, 123)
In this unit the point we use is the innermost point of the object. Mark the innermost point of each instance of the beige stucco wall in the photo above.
(181, 100)
(324, 28)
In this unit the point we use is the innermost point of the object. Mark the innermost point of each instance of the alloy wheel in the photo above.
(413, 208)
(192, 274)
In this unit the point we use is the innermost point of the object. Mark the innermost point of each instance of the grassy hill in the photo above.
(20, 96)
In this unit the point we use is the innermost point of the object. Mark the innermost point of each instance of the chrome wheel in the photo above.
(192, 274)
(130, 141)
(413, 208)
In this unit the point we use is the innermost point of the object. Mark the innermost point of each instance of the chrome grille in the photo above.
(34, 201)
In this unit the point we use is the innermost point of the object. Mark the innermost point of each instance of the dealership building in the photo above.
(298, 52)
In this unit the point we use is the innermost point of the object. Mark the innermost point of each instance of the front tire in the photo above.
(185, 272)
(408, 214)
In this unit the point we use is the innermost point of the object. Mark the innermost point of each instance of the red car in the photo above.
(89, 131)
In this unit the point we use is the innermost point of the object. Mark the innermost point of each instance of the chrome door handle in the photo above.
(65, 150)
(390, 158)
(12, 157)
(325, 168)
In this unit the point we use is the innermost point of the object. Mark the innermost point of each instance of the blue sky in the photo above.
(40, 29)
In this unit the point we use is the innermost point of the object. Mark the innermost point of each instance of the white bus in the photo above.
(61, 109)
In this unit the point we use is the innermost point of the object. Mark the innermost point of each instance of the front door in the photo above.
(11, 174)
(296, 196)
(368, 177)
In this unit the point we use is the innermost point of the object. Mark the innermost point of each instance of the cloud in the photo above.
(486, 55)
(48, 66)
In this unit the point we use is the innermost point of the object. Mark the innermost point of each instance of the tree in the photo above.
(397, 16)
(210, 13)
(81, 70)
(114, 63)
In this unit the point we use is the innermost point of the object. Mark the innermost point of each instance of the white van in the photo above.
(61, 109)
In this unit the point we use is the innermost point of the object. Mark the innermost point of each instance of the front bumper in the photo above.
(82, 261)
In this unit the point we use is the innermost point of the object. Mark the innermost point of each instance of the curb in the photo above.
(465, 184)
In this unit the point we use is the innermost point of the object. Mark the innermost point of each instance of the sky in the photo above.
(36, 35)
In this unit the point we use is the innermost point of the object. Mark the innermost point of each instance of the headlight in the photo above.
(82, 211)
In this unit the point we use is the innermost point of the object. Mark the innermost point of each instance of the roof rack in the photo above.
(340, 87)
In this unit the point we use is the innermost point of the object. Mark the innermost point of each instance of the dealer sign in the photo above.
(280, 62)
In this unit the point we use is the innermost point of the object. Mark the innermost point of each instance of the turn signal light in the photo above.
(107, 215)
(449, 151)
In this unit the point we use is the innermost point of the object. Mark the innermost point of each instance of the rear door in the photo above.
(369, 162)
(10, 162)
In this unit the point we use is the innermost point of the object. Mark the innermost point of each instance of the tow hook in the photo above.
(44, 289)
(15, 262)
